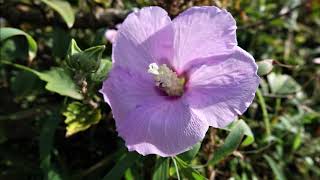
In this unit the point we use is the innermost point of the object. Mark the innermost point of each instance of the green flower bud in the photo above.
(87, 61)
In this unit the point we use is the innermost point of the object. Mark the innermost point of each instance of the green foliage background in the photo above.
(54, 124)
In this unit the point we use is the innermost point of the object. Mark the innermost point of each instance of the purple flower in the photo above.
(110, 34)
(171, 80)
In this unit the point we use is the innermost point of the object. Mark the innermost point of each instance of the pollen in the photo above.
(167, 80)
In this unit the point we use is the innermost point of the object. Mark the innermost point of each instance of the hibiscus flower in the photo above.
(172, 79)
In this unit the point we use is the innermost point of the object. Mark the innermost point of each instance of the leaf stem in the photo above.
(177, 169)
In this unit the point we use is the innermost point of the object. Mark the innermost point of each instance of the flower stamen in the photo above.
(167, 80)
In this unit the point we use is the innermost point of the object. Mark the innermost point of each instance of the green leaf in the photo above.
(189, 155)
(63, 8)
(282, 84)
(297, 141)
(128, 175)
(161, 169)
(277, 170)
(231, 143)
(58, 80)
(80, 117)
(249, 139)
(265, 67)
(90, 58)
(46, 140)
(188, 171)
(14, 48)
(22, 89)
(61, 39)
(47, 135)
(6, 33)
(3, 133)
(125, 162)
(87, 61)
(73, 48)
(102, 72)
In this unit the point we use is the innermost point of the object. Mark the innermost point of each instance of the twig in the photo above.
(97, 18)
(268, 20)
(28, 113)
(95, 167)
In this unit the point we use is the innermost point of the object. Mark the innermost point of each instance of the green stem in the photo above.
(278, 106)
(265, 114)
(176, 167)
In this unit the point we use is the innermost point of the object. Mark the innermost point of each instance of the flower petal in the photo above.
(146, 36)
(222, 89)
(110, 35)
(165, 128)
(149, 122)
(202, 32)
(124, 91)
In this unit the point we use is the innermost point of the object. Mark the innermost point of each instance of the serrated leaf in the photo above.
(63, 8)
(188, 171)
(265, 67)
(7, 32)
(125, 162)
(231, 143)
(282, 84)
(58, 80)
(161, 171)
(80, 117)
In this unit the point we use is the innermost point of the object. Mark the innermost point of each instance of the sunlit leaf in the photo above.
(58, 80)
(63, 8)
(265, 67)
(80, 117)
(249, 137)
(7, 32)
(282, 84)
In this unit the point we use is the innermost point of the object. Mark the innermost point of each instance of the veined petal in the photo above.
(125, 90)
(144, 37)
(149, 122)
(222, 89)
(201, 32)
(165, 128)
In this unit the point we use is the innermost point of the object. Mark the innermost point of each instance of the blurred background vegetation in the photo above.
(55, 125)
